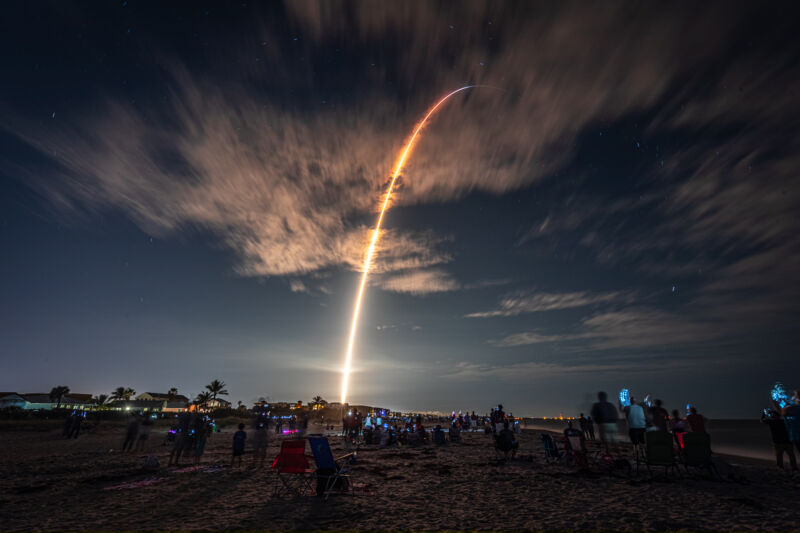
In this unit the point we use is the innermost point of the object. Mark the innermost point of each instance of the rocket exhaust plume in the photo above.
(376, 232)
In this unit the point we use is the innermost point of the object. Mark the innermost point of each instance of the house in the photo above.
(11, 399)
(219, 403)
(41, 400)
(148, 406)
(163, 397)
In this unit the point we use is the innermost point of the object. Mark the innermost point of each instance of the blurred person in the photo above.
(145, 428)
(201, 429)
(605, 414)
(181, 436)
(260, 443)
(780, 437)
(590, 427)
(76, 425)
(68, 425)
(582, 425)
(696, 421)
(659, 416)
(131, 432)
(239, 439)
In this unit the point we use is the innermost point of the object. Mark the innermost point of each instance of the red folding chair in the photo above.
(291, 465)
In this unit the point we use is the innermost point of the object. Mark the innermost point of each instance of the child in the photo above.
(238, 444)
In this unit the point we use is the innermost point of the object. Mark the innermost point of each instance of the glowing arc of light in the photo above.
(375, 234)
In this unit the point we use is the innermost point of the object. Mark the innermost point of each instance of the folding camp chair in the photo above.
(696, 452)
(291, 465)
(551, 451)
(658, 446)
(333, 475)
(575, 445)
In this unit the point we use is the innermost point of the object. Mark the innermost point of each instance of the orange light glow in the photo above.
(376, 233)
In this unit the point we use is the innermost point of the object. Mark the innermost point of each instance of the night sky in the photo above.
(186, 193)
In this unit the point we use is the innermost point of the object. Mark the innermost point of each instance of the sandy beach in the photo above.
(49, 483)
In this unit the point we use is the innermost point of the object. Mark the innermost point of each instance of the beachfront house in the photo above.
(11, 399)
(41, 401)
(162, 396)
(148, 406)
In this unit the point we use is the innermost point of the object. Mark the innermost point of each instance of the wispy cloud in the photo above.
(285, 189)
(419, 282)
(532, 302)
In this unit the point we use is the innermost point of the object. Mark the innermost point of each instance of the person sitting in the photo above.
(455, 433)
(438, 436)
(506, 441)
(696, 421)
(422, 435)
(678, 427)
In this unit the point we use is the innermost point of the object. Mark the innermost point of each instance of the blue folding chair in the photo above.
(333, 475)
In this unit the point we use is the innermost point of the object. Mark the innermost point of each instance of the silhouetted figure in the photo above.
(507, 441)
(791, 416)
(590, 427)
(659, 416)
(780, 437)
(77, 422)
(239, 439)
(697, 422)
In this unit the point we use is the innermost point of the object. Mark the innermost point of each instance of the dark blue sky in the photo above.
(186, 193)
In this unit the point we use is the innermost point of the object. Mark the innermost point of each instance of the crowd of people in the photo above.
(189, 435)
(640, 418)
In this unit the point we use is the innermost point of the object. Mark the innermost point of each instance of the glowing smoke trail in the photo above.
(371, 250)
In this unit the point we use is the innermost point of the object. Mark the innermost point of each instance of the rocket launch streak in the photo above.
(376, 232)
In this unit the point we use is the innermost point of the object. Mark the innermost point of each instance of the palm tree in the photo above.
(216, 388)
(100, 399)
(172, 393)
(318, 401)
(202, 399)
(122, 393)
(118, 394)
(57, 394)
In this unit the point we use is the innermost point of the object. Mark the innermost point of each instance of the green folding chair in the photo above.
(658, 446)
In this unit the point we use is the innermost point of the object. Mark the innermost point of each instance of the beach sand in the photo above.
(48, 483)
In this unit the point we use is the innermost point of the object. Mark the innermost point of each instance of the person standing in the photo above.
(260, 444)
(145, 428)
(239, 439)
(605, 414)
(791, 417)
(780, 437)
(76, 425)
(637, 423)
(181, 436)
(131, 432)
(590, 427)
(582, 425)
